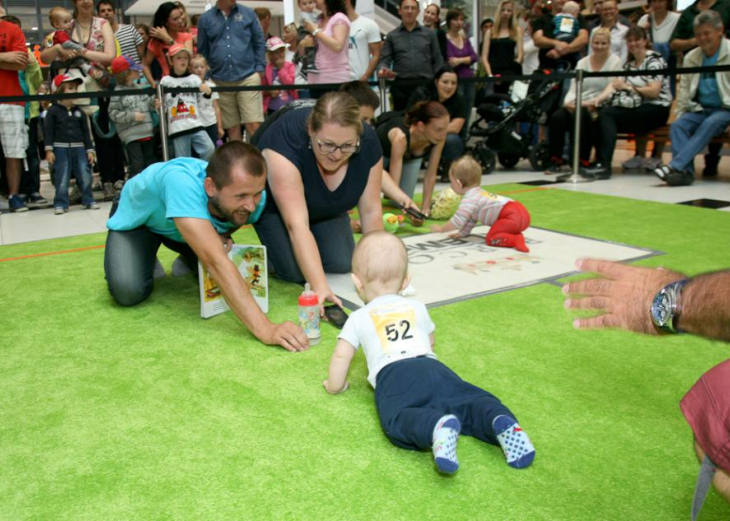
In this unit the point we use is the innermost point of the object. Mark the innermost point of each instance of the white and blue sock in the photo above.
(517, 448)
(445, 438)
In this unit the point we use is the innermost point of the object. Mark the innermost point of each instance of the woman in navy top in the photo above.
(322, 162)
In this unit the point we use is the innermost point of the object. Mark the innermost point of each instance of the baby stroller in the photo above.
(496, 126)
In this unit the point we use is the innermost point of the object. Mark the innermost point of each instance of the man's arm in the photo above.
(203, 239)
(437, 59)
(17, 58)
(259, 46)
(203, 38)
(386, 56)
(374, 49)
(625, 293)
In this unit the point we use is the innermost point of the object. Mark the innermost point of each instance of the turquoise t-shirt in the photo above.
(161, 192)
(708, 93)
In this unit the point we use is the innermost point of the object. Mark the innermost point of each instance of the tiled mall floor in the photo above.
(42, 224)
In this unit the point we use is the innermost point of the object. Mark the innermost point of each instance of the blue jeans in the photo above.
(68, 161)
(198, 141)
(692, 132)
(333, 237)
(469, 93)
(453, 148)
(412, 394)
(129, 262)
(30, 181)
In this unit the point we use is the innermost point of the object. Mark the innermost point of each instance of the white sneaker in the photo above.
(92, 206)
(4, 206)
(634, 163)
(58, 211)
(159, 271)
(179, 268)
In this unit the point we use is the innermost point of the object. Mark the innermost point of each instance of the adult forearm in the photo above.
(238, 296)
(100, 57)
(679, 45)
(307, 256)
(705, 306)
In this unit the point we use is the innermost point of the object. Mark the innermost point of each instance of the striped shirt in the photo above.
(653, 61)
(477, 205)
(129, 38)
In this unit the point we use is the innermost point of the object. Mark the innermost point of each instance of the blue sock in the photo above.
(445, 438)
(517, 448)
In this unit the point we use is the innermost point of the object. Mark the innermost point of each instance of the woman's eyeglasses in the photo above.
(330, 148)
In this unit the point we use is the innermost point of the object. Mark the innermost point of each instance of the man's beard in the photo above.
(231, 217)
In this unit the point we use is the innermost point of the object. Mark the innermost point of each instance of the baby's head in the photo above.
(60, 18)
(571, 8)
(306, 5)
(465, 173)
(379, 265)
(199, 66)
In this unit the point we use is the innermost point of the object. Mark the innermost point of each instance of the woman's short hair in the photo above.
(163, 13)
(425, 111)
(452, 14)
(338, 108)
(601, 31)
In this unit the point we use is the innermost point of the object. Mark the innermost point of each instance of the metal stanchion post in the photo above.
(163, 123)
(575, 177)
(383, 94)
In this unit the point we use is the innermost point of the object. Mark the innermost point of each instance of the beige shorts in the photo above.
(238, 108)
(13, 132)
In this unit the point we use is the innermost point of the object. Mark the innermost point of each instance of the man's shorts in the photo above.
(13, 132)
(238, 108)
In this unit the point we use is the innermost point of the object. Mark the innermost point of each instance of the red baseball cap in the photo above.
(124, 63)
(62, 78)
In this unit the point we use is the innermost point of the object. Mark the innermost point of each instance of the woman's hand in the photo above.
(307, 41)
(455, 62)
(160, 33)
(620, 84)
(570, 107)
(309, 26)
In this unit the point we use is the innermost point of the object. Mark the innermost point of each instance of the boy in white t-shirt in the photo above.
(421, 403)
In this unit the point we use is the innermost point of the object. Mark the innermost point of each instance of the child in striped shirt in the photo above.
(506, 218)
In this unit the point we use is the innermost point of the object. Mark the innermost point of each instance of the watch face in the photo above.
(660, 309)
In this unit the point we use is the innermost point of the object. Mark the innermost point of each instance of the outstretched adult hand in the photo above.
(287, 335)
(623, 295)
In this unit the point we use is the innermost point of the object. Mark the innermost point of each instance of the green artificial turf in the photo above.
(153, 413)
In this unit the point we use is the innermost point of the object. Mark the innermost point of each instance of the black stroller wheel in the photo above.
(485, 157)
(508, 160)
(539, 156)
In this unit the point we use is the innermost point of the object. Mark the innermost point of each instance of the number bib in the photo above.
(395, 325)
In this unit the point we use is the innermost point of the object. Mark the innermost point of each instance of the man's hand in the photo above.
(16, 58)
(623, 296)
(386, 73)
(326, 295)
(138, 116)
(50, 157)
(91, 158)
(287, 335)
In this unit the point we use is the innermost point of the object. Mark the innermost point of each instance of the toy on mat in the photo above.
(445, 204)
(391, 222)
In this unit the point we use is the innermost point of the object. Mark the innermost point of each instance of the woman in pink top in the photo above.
(331, 35)
(95, 34)
(169, 26)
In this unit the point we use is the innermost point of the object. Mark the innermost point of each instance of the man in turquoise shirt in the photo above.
(192, 207)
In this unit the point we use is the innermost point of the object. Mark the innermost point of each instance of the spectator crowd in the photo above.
(429, 62)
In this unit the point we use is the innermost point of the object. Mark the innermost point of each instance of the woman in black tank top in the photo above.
(502, 48)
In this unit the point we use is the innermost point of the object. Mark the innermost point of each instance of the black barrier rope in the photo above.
(547, 75)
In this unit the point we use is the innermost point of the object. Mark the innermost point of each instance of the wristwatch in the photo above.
(315, 32)
(666, 308)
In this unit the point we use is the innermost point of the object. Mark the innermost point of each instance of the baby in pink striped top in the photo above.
(506, 218)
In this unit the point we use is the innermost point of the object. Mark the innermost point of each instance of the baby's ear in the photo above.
(406, 282)
(357, 281)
